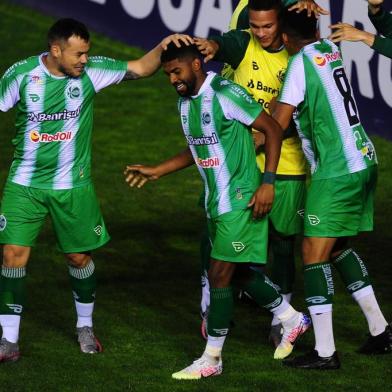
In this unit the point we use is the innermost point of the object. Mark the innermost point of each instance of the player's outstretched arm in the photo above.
(207, 47)
(264, 196)
(311, 6)
(347, 32)
(151, 61)
(138, 175)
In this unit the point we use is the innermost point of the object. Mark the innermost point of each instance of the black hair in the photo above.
(65, 28)
(265, 5)
(184, 51)
(299, 26)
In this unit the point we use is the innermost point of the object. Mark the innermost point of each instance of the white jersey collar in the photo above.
(206, 83)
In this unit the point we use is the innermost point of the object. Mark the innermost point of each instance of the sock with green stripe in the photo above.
(319, 290)
(12, 301)
(356, 278)
(83, 281)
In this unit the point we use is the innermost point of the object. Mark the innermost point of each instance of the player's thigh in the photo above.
(77, 219)
(286, 215)
(22, 214)
(238, 238)
(334, 207)
(317, 249)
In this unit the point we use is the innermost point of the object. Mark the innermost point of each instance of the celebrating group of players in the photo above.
(288, 86)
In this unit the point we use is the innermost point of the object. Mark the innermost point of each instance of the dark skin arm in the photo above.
(283, 114)
(138, 175)
(264, 196)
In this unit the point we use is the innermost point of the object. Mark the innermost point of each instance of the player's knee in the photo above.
(78, 260)
(15, 256)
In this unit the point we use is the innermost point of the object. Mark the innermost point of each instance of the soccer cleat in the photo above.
(89, 344)
(313, 361)
(202, 367)
(9, 352)
(380, 344)
(275, 335)
(291, 335)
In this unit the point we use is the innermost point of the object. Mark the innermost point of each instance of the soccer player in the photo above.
(258, 61)
(381, 20)
(216, 115)
(51, 170)
(339, 200)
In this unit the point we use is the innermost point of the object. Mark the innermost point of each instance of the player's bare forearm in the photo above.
(151, 61)
(273, 139)
(283, 114)
(347, 32)
(138, 175)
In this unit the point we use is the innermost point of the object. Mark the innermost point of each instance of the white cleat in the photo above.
(202, 367)
(291, 335)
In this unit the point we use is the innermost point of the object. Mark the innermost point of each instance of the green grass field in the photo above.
(148, 297)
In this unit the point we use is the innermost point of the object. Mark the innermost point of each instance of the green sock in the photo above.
(83, 282)
(221, 311)
(318, 280)
(263, 291)
(12, 290)
(352, 270)
(283, 264)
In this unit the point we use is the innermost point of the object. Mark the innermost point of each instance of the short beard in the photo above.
(190, 88)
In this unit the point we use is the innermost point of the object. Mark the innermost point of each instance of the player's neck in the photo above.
(51, 65)
(199, 82)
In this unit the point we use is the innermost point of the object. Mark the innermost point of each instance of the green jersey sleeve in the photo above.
(104, 71)
(11, 81)
(236, 103)
(232, 47)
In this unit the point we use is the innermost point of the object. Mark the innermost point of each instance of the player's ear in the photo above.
(285, 39)
(196, 64)
(55, 50)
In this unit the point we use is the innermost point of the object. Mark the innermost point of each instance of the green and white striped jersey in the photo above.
(216, 126)
(54, 120)
(333, 139)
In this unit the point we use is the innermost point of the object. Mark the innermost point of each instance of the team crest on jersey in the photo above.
(73, 92)
(206, 118)
(280, 75)
(3, 222)
(238, 246)
(313, 220)
(35, 79)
